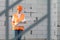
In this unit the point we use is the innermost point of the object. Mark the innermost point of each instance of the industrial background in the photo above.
(43, 19)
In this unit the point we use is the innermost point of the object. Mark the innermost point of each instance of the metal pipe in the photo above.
(49, 22)
(7, 20)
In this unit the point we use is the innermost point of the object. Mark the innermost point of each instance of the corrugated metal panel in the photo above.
(58, 29)
(40, 12)
(39, 9)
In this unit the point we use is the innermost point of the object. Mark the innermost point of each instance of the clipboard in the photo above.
(21, 24)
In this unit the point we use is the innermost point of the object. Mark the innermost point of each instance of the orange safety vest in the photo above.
(17, 20)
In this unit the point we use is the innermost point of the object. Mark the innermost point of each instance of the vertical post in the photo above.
(7, 21)
(49, 26)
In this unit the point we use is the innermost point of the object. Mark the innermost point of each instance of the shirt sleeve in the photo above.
(12, 18)
(24, 20)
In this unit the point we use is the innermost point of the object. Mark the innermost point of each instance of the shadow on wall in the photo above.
(7, 16)
(9, 7)
(31, 26)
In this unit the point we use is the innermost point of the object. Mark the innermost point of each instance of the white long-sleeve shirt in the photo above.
(20, 23)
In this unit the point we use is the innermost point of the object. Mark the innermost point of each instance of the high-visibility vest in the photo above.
(17, 20)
